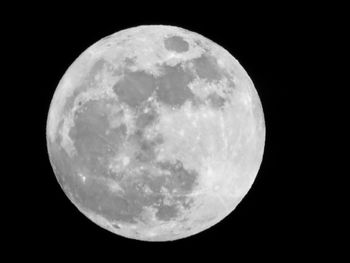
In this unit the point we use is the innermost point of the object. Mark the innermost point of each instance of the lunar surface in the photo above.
(155, 133)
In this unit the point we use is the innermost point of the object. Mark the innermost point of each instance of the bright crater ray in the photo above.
(155, 133)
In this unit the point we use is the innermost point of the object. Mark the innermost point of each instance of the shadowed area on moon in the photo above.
(97, 143)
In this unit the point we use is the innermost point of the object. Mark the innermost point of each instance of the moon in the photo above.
(155, 133)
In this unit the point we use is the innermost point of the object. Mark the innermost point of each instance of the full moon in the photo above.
(155, 133)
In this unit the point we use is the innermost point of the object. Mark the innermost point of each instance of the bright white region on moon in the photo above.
(155, 133)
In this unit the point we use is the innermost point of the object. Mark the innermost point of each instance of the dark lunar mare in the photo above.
(135, 88)
(94, 148)
(171, 88)
(176, 43)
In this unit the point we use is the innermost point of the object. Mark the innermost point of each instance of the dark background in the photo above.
(275, 48)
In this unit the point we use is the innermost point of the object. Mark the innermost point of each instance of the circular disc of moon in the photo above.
(155, 133)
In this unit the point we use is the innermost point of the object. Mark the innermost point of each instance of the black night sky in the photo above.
(273, 216)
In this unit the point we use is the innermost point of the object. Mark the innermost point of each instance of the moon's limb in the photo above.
(231, 141)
